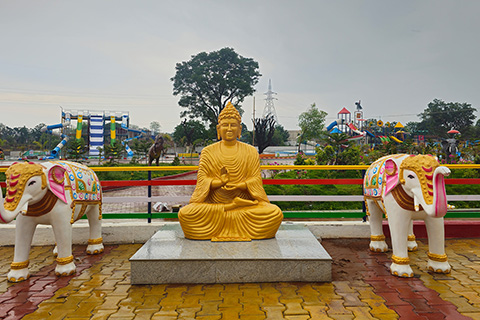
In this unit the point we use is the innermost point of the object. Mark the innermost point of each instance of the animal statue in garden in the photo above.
(406, 187)
(450, 148)
(156, 150)
(55, 193)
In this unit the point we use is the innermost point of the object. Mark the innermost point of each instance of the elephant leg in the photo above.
(437, 259)
(24, 230)
(399, 222)
(95, 240)
(63, 236)
(411, 241)
(377, 238)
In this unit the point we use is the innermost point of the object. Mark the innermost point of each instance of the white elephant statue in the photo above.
(406, 187)
(55, 193)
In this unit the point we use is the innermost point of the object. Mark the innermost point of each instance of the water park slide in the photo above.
(140, 133)
(355, 130)
(359, 137)
(352, 127)
(395, 139)
(334, 123)
(48, 129)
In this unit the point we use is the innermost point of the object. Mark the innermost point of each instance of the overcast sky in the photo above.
(394, 56)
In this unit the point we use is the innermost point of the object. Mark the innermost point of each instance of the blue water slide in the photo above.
(56, 151)
(370, 134)
(331, 125)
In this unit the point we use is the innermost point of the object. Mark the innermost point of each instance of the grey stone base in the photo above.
(294, 255)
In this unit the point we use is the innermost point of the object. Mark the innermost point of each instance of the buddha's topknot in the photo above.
(229, 112)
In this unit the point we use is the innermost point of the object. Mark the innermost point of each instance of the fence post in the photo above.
(364, 207)
(149, 195)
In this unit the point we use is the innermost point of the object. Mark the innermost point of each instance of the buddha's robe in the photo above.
(206, 217)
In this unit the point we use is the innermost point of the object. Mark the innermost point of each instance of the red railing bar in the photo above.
(312, 181)
(167, 182)
(462, 181)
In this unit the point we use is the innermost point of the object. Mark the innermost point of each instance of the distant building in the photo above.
(292, 137)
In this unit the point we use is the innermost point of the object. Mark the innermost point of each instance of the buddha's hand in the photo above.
(233, 186)
(224, 178)
(239, 202)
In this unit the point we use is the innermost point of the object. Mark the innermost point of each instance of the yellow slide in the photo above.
(395, 139)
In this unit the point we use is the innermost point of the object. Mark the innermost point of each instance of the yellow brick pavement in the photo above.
(103, 291)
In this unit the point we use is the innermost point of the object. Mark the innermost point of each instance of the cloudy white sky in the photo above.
(394, 56)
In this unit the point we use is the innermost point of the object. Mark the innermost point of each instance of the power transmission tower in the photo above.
(269, 107)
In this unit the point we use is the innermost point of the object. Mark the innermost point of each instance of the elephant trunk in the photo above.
(439, 193)
(439, 206)
(6, 216)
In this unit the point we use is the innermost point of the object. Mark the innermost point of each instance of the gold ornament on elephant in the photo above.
(17, 176)
(424, 166)
(229, 202)
(64, 261)
(437, 257)
(400, 260)
(19, 265)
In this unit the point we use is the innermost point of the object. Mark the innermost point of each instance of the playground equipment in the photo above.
(96, 123)
(345, 124)
(358, 131)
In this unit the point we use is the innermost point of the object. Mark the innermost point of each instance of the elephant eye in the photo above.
(32, 183)
(410, 176)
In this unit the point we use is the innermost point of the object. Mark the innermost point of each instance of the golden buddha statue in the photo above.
(229, 202)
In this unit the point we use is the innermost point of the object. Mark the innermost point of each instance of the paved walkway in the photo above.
(130, 207)
(362, 288)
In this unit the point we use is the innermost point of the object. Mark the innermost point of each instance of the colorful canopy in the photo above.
(453, 131)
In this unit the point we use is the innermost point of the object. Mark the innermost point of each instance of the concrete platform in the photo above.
(294, 255)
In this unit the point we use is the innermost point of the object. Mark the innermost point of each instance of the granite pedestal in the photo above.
(294, 255)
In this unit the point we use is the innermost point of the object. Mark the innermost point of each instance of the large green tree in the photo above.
(311, 123)
(208, 81)
(440, 116)
(280, 137)
(189, 131)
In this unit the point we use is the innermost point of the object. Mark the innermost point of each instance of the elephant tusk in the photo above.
(415, 204)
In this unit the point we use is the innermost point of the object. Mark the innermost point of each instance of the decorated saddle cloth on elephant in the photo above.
(82, 181)
(374, 181)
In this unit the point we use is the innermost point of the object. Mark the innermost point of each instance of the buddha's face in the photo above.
(229, 129)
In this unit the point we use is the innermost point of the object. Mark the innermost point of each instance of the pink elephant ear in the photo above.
(391, 175)
(56, 176)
